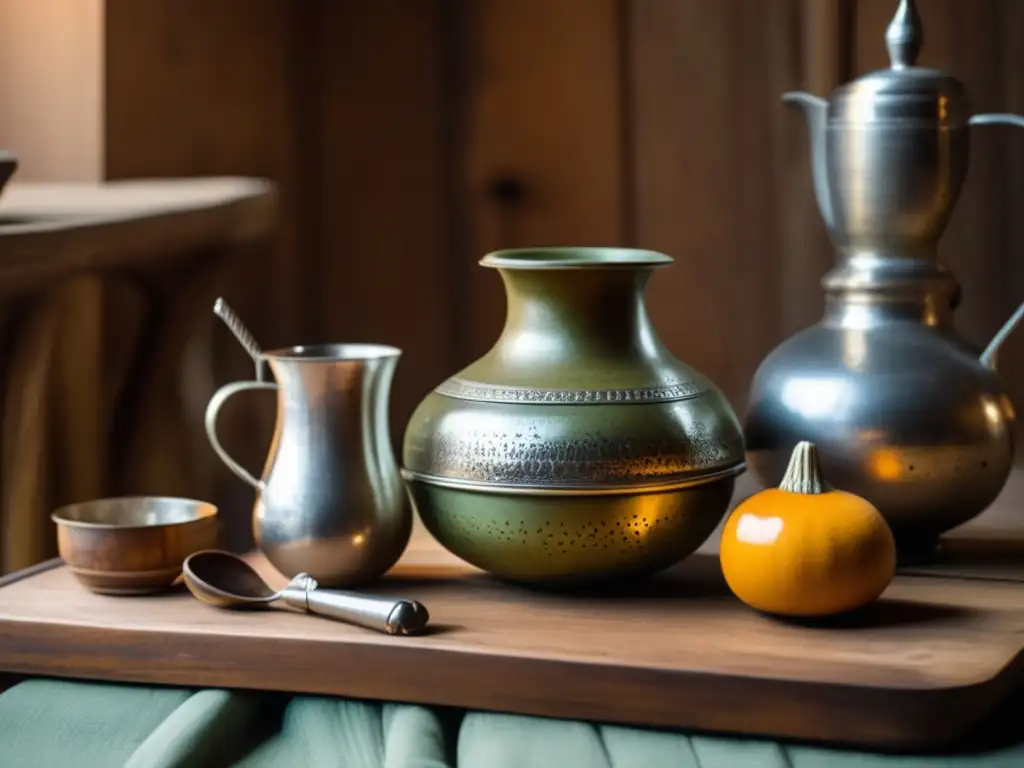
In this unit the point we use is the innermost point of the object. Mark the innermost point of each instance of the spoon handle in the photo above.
(395, 616)
(237, 327)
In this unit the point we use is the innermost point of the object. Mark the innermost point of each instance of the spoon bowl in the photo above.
(225, 580)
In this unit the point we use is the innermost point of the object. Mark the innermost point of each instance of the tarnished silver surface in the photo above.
(225, 580)
(543, 448)
(330, 502)
(904, 412)
(384, 614)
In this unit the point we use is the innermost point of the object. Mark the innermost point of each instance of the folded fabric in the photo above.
(58, 724)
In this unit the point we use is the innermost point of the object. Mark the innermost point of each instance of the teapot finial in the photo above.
(904, 36)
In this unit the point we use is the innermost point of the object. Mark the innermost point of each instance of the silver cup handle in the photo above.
(394, 616)
(213, 410)
(989, 356)
(997, 118)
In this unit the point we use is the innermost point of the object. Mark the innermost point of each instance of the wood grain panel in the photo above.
(27, 472)
(196, 88)
(51, 79)
(543, 114)
(711, 143)
(383, 274)
(823, 61)
(78, 398)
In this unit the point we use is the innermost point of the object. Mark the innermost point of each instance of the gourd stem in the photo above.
(803, 475)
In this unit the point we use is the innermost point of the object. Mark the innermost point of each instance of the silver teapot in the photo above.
(904, 411)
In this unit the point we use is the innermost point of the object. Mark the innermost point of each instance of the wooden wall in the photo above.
(409, 137)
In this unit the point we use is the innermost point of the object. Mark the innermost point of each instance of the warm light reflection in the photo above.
(358, 539)
(993, 414)
(642, 523)
(761, 531)
(885, 464)
(1007, 406)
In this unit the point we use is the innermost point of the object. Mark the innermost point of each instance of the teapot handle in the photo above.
(988, 357)
(213, 410)
(997, 118)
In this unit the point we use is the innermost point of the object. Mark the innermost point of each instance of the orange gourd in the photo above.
(804, 549)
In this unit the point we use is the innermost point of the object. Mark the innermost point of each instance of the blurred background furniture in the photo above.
(105, 297)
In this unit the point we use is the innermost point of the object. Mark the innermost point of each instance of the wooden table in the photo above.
(924, 665)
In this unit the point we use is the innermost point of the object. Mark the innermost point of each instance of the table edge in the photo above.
(33, 570)
(900, 718)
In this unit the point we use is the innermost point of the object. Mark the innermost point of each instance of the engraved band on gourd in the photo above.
(659, 486)
(662, 393)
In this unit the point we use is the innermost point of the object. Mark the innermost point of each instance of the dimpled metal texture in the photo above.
(578, 447)
(572, 539)
(537, 446)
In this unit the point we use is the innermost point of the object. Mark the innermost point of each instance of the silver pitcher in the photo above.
(330, 502)
(904, 411)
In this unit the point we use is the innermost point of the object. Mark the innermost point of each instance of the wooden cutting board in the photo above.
(922, 666)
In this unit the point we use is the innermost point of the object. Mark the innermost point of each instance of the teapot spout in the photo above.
(815, 111)
(991, 353)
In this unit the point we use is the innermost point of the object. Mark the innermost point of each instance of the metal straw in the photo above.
(237, 327)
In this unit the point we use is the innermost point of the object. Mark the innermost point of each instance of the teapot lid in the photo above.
(904, 92)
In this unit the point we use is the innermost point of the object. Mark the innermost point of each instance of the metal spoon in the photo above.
(237, 327)
(226, 580)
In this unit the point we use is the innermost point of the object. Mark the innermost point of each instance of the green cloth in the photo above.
(65, 724)
(58, 724)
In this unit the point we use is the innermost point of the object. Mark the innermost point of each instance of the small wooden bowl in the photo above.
(133, 545)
